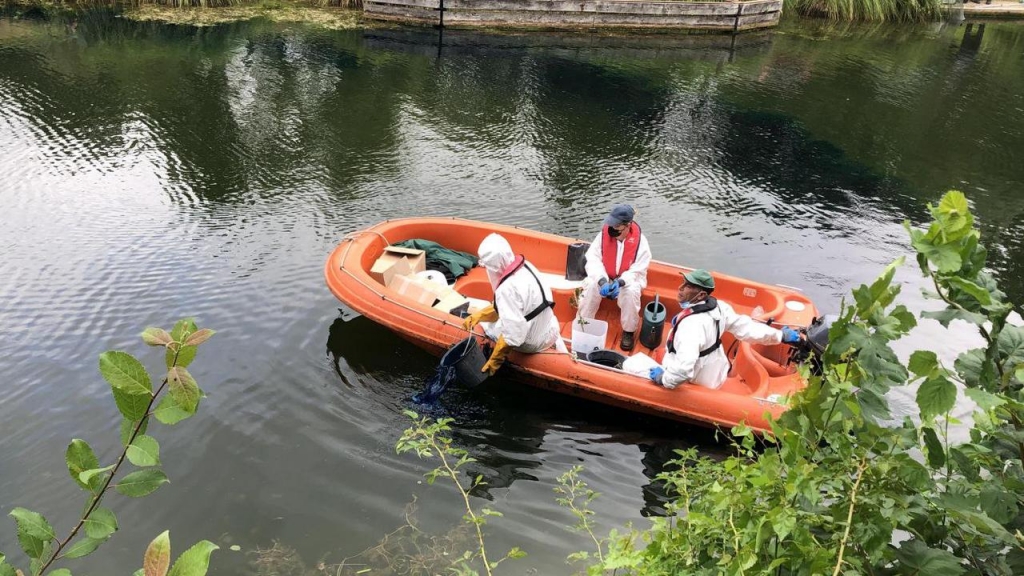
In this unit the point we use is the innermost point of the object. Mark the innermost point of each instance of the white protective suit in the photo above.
(629, 295)
(697, 332)
(517, 296)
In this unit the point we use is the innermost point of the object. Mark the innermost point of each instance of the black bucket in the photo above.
(609, 358)
(467, 358)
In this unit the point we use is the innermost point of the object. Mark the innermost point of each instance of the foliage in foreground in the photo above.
(137, 401)
(840, 489)
(868, 10)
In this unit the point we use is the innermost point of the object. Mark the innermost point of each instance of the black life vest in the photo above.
(701, 308)
(545, 303)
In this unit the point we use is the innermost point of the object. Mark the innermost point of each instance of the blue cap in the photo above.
(620, 214)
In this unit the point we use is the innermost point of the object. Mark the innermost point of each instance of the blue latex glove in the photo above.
(615, 290)
(606, 289)
(789, 335)
(655, 374)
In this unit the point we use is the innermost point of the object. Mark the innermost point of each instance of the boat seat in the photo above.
(558, 281)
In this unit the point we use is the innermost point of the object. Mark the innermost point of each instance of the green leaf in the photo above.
(918, 558)
(94, 475)
(998, 503)
(60, 572)
(83, 547)
(1019, 374)
(125, 373)
(184, 389)
(33, 524)
(915, 475)
(182, 329)
(140, 483)
(5, 568)
(199, 337)
(144, 451)
(936, 453)
(34, 532)
(158, 556)
(132, 406)
(128, 427)
(156, 337)
(100, 524)
(945, 257)
(181, 359)
(168, 411)
(923, 363)
(946, 316)
(981, 295)
(973, 369)
(954, 215)
(80, 457)
(194, 561)
(936, 396)
(984, 400)
(1011, 346)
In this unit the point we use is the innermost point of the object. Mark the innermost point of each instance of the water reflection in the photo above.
(151, 171)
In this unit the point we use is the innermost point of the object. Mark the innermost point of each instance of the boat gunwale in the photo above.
(681, 405)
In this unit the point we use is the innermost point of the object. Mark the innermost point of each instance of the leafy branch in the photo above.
(430, 439)
(131, 387)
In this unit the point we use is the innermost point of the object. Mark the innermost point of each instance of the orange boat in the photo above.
(761, 379)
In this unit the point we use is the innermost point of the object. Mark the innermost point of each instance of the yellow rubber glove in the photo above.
(488, 314)
(501, 351)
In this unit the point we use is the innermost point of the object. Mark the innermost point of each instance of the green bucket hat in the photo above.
(700, 277)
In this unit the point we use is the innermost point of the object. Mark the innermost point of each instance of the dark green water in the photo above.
(149, 172)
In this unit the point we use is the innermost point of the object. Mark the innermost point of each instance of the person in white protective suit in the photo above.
(617, 263)
(521, 317)
(694, 347)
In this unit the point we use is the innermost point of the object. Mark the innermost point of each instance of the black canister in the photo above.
(654, 323)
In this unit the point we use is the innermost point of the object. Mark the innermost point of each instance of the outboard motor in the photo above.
(813, 346)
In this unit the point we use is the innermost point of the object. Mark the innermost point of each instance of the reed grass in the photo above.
(867, 10)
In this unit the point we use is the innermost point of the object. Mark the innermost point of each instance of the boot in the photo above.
(627, 341)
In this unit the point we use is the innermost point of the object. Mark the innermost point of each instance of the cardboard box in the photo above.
(453, 303)
(398, 261)
(409, 287)
(386, 272)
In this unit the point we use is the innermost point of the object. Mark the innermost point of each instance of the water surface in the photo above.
(150, 172)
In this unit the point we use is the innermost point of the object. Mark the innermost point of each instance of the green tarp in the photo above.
(457, 263)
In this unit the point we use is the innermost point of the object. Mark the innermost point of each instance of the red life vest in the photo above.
(517, 262)
(630, 249)
(701, 308)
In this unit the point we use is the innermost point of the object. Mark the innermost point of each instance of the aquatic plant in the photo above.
(868, 10)
(838, 487)
(137, 401)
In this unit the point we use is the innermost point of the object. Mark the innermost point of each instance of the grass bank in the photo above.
(330, 14)
(867, 10)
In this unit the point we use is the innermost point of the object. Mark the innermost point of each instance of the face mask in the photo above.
(686, 305)
(613, 232)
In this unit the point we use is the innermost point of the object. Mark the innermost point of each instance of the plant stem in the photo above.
(849, 514)
(465, 498)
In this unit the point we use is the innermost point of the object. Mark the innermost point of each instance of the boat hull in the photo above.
(758, 385)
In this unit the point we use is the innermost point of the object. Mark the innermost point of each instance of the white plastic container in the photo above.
(589, 337)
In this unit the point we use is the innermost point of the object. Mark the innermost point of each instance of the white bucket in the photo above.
(589, 337)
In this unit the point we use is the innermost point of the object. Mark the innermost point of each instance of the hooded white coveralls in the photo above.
(697, 332)
(517, 296)
(629, 295)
